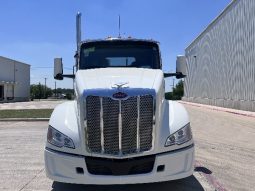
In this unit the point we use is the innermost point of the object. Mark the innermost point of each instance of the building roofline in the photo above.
(15, 61)
(215, 21)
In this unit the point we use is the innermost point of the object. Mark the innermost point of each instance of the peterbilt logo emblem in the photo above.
(119, 95)
(120, 85)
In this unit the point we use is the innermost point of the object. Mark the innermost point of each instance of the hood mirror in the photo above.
(58, 69)
(181, 67)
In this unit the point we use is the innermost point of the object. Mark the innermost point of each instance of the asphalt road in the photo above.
(225, 156)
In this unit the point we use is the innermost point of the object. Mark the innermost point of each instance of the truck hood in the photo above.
(108, 78)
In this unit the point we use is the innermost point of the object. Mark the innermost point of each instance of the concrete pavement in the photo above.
(224, 154)
(225, 145)
(43, 104)
(216, 108)
(22, 164)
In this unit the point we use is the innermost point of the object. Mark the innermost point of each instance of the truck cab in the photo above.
(119, 129)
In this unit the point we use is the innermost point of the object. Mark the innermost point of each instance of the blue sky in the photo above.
(35, 32)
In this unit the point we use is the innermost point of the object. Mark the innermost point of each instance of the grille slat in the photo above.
(127, 124)
(111, 132)
(146, 122)
(93, 123)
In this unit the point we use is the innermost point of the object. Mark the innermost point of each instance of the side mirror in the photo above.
(181, 67)
(58, 69)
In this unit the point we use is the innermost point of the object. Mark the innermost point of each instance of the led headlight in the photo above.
(179, 137)
(59, 139)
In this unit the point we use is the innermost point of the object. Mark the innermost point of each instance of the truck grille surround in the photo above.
(119, 127)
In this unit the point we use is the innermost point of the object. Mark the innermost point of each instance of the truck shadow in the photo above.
(189, 184)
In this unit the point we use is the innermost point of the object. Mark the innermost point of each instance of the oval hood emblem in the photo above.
(119, 95)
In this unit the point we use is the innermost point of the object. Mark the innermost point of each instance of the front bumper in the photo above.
(62, 167)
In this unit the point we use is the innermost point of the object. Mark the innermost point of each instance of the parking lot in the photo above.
(224, 156)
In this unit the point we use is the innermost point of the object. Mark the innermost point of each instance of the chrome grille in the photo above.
(119, 127)
(146, 116)
(93, 123)
(129, 125)
(111, 121)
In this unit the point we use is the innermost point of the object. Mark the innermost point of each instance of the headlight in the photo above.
(59, 139)
(179, 137)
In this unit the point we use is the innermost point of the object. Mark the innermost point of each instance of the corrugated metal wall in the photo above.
(221, 61)
(15, 80)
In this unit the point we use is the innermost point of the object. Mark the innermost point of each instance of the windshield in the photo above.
(104, 54)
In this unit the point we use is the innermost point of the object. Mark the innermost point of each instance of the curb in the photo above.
(216, 108)
(24, 119)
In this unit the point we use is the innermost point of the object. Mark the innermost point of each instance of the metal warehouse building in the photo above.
(14, 80)
(221, 60)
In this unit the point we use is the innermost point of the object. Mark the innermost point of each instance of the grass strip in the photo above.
(26, 113)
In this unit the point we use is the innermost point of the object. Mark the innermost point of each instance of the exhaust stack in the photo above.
(78, 29)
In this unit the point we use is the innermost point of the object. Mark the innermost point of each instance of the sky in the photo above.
(35, 32)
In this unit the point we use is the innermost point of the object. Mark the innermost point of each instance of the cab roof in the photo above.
(120, 39)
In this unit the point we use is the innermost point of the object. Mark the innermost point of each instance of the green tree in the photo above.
(37, 91)
(177, 92)
(65, 91)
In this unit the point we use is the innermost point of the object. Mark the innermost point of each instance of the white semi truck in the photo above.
(119, 129)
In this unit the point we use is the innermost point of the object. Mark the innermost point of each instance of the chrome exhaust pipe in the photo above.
(78, 30)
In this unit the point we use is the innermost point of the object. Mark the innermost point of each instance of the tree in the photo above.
(177, 92)
(37, 91)
(65, 91)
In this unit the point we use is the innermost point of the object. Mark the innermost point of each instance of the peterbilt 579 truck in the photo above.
(120, 129)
